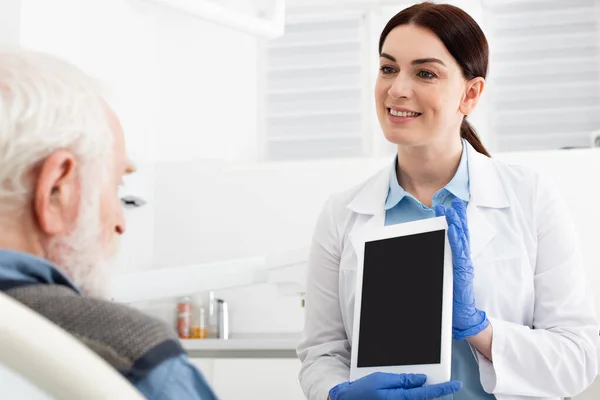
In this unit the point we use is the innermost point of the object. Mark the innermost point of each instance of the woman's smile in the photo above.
(399, 116)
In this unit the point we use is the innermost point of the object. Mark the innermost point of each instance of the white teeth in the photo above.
(403, 113)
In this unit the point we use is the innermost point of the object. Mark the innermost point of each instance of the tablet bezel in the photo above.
(436, 373)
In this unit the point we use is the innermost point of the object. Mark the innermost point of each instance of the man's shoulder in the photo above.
(128, 339)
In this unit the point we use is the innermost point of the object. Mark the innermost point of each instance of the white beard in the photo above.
(82, 255)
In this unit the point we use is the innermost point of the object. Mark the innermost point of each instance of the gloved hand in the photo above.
(467, 320)
(386, 386)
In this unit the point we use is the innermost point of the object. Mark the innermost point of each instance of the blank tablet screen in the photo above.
(401, 307)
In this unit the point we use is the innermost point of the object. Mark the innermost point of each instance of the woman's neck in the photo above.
(424, 170)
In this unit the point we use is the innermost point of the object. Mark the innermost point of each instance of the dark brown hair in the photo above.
(463, 38)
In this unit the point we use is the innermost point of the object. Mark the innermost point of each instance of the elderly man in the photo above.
(62, 159)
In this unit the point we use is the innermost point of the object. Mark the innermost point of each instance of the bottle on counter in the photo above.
(223, 332)
(213, 323)
(184, 316)
(199, 330)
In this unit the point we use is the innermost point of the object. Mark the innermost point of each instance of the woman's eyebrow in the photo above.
(418, 61)
(389, 57)
(427, 61)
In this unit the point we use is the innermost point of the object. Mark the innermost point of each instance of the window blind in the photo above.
(545, 72)
(315, 90)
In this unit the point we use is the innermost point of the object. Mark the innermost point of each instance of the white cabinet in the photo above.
(205, 365)
(251, 378)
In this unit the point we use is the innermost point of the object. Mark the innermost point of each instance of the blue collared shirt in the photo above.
(175, 378)
(402, 206)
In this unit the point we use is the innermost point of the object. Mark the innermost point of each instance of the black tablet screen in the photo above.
(401, 307)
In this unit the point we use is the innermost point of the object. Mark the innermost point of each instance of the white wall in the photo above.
(10, 22)
(205, 212)
(208, 93)
(185, 89)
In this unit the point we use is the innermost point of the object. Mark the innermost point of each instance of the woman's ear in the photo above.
(473, 90)
(57, 194)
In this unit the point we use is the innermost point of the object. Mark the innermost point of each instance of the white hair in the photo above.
(47, 104)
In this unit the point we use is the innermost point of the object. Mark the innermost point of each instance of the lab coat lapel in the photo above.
(369, 203)
(364, 224)
(487, 193)
(481, 230)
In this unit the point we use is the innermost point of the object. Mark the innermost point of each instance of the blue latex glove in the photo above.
(467, 320)
(385, 386)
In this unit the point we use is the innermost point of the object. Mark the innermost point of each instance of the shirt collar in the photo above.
(395, 193)
(458, 186)
(24, 267)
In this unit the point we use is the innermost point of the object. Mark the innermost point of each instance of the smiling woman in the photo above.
(523, 320)
(445, 60)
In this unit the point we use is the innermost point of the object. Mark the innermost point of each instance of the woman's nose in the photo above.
(400, 87)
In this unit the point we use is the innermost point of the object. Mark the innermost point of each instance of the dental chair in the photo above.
(50, 359)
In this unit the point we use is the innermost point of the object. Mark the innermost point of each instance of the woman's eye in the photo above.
(387, 70)
(426, 75)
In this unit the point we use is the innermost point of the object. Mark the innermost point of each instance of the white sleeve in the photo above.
(559, 356)
(324, 350)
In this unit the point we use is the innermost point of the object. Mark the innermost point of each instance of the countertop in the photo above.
(278, 345)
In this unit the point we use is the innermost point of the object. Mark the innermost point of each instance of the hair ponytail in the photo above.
(470, 135)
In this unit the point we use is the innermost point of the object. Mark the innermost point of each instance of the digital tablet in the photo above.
(403, 303)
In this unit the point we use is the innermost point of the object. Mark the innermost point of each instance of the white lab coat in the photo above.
(529, 279)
